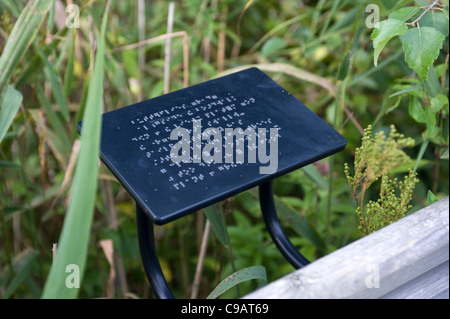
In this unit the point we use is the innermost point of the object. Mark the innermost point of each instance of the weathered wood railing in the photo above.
(407, 259)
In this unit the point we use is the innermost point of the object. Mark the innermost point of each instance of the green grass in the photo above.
(75, 235)
(51, 77)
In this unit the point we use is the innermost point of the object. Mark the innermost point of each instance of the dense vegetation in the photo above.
(331, 55)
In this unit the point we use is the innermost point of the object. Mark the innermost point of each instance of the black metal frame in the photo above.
(150, 258)
(269, 213)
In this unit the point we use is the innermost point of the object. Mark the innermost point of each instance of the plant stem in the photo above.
(229, 249)
(366, 230)
(340, 105)
(201, 259)
(435, 2)
(167, 49)
(444, 74)
(141, 50)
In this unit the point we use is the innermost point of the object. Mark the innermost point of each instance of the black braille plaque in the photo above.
(228, 135)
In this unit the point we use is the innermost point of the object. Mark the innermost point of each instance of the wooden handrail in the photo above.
(407, 259)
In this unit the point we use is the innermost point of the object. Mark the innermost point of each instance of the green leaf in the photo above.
(9, 164)
(54, 120)
(74, 239)
(246, 274)
(14, 6)
(404, 14)
(432, 85)
(416, 110)
(422, 150)
(435, 19)
(22, 34)
(400, 4)
(9, 103)
(22, 266)
(413, 164)
(68, 75)
(431, 198)
(218, 224)
(407, 88)
(298, 223)
(272, 45)
(383, 32)
(390, 103)
(439, 102)
(432, 129)
(388, 4)
(312, 172)
(54, 80)
(344, 67)
(130, 62)
(421, 47)
(445, 154)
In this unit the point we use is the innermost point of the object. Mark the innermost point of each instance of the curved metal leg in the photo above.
(276, 232)
(149, 257)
